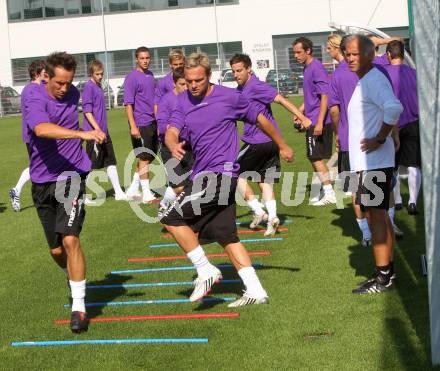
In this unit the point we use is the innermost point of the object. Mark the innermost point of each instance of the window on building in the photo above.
(173, 3)
(123, 62)
(53, 8)
(204, 2)
(92, 6)
(14, 10)
(140, 4)
(32, 9)
(73, 7)
(118, 5)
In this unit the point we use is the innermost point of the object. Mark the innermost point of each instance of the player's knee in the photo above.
(71, 243)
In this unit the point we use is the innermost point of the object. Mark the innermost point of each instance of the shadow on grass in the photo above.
(106, 294)
(2, 207)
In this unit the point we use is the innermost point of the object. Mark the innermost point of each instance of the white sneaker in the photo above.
(147, 197)
(133, 194)
(15, 199)
(257, 220)
(121, 197)
(203, 284)
(246, 299)
(329, 198)
(272, 227)
(89, 202)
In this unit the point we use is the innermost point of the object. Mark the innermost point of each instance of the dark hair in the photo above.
(60, 59)
(94, 65)
(35, 68)
(344, 43)
(178, 73)
(306, 43)
(141, 49)
(244, 58)
(396, 49)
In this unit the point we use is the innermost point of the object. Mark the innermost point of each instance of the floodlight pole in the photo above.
(106, 56)
(216, 36)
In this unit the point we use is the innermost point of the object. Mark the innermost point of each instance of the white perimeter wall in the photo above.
(253, 22)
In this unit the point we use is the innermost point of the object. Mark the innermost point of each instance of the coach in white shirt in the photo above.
(372, 113)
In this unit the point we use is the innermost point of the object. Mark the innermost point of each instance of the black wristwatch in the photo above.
(379, 141)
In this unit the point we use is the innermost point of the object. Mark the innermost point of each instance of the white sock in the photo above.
(251, 282)
(134, 186)
(145, 185)
(414, 182)
(112, 173)
(78, 290)
(391, 214)
(200, 261)
(396, 191)
(168, 197)
(24, 178)
(256, 206)
(328, 189)
(364, 227)
(271, 207)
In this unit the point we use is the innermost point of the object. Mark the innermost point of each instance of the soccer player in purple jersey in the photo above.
(95, 118)
(319, 135)
(166, 83)
(37, 74)
(372, 112)
(177, 171)
(139, 87)
(55, 151)
(404, 81)
(207, 204)
(259, 156)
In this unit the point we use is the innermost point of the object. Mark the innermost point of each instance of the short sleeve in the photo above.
(320, 80)
(333, 94)
(264, 93)
(87, 99)
(129, 89)
(177, 119)
(35, 110)
(246, 110)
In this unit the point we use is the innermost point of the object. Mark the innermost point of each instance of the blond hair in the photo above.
(176, 54)
(334, 40)
(198, 59)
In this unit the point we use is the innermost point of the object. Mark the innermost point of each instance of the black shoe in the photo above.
(398, 207)
(374, 276)
(373, 286)
(412, 209)
(79, 322)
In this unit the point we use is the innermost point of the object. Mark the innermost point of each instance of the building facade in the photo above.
(111, 30)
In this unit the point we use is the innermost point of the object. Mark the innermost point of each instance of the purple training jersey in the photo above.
(26, 135)
(315, 83)
(139, 92)
(342, 85)
(262, 95)
(212, 127)
(404, 82)
(164, 86)
(50, 158)
(93, 101)
(163, 116)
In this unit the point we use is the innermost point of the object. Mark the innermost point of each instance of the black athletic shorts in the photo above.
(149, 139)
(319, 147)
(260, 162)
(207, 205)
(60, 218)
(178, 172)
(101, 155)
(345, 173)
(374, 192)
(409, 151)
(28, 147)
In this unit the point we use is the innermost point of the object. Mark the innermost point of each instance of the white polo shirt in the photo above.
(372, 104)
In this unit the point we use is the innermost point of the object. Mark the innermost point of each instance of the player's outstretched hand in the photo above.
(178, 151)
(286, 153)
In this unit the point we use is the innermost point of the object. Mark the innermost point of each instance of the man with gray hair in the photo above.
(372, 113)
